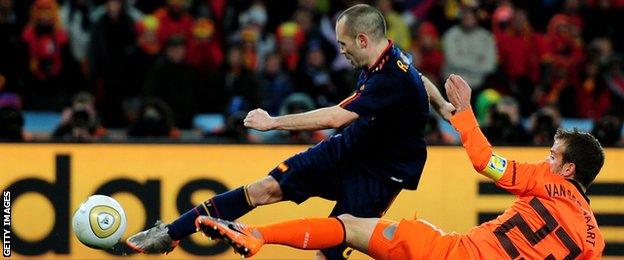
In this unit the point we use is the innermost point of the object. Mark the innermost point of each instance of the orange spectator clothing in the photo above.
(551, 218)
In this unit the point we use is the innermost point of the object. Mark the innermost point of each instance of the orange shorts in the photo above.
(415, 239)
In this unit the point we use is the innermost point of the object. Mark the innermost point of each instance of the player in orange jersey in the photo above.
(551, 218)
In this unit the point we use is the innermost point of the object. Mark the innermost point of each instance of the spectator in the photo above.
(469, 50)
(501, 19)
(607, 130)
(204, 50)
(614, 78)
(47, 54)
(483, 103)
(562, 60)
(603, 18)
(543, 125)
(503, 124)
(238, 86)
(174, 81)
(571, 8)
(101, 9)
(76, 20)
(427, 54)
(275, 84)
(80, 122)
(289, 39)
(313, 77)
(11, 118)
(563, 50)
(146, 49)
(154, 120)
(593, 98)
(397, 29)
(519, 48)
(252, 35)
(11, 124)
(9, 40)
(174, 20)
(305, 20)
(249, 38)
(112, 42)
(601, 51)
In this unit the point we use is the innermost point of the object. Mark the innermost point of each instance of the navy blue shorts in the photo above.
(317, 173)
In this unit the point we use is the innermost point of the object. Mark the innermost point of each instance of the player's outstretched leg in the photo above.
(245, 240)
(153, 241)
(229, 205)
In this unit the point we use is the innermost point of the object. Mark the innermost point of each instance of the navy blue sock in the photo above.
(230, 205)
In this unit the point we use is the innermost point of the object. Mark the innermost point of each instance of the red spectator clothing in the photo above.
(431, 62)
(168, 26)
(592, 100)
(551, 96)
(290, 61)
(562, 49)
(218, 9)
(519, 53)
(44, 51)
(431, 58)
(204, 54)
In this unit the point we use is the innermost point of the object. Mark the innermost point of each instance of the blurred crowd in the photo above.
(148, 67)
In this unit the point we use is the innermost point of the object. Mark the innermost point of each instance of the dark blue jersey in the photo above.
(387, 140)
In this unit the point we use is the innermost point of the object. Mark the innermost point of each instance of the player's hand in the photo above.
(258, 119)
(446, 110)
(458, 92)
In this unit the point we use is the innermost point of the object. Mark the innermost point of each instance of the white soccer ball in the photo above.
(99, 222)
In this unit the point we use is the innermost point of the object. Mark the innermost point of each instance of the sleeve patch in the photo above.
(495, 167)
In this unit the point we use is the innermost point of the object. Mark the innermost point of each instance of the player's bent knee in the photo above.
(388, 232)
(264, 191)
(346, 217)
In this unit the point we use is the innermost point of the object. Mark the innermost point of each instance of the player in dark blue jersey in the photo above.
(380, 151)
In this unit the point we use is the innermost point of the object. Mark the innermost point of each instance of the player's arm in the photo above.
(516, 177)
(444, 108)
(323, 118)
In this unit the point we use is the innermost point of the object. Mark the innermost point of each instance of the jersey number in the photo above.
(537, 236)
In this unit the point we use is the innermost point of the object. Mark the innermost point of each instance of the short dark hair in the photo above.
(363, 18)
(584, 151)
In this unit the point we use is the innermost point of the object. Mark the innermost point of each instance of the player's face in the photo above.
(555, 159)
(348, 47)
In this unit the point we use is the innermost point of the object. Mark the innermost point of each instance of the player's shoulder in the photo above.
(400, 62)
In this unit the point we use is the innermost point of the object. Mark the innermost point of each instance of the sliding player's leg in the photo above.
(309, 234)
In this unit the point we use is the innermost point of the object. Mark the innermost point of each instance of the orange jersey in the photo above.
(551, 218)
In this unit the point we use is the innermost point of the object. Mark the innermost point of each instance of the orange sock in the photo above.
(314, 233)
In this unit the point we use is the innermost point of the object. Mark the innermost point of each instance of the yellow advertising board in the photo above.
(152, 181)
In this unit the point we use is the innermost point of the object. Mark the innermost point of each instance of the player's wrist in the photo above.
(272, 123)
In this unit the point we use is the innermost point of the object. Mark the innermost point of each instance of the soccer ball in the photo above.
(99, 222)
